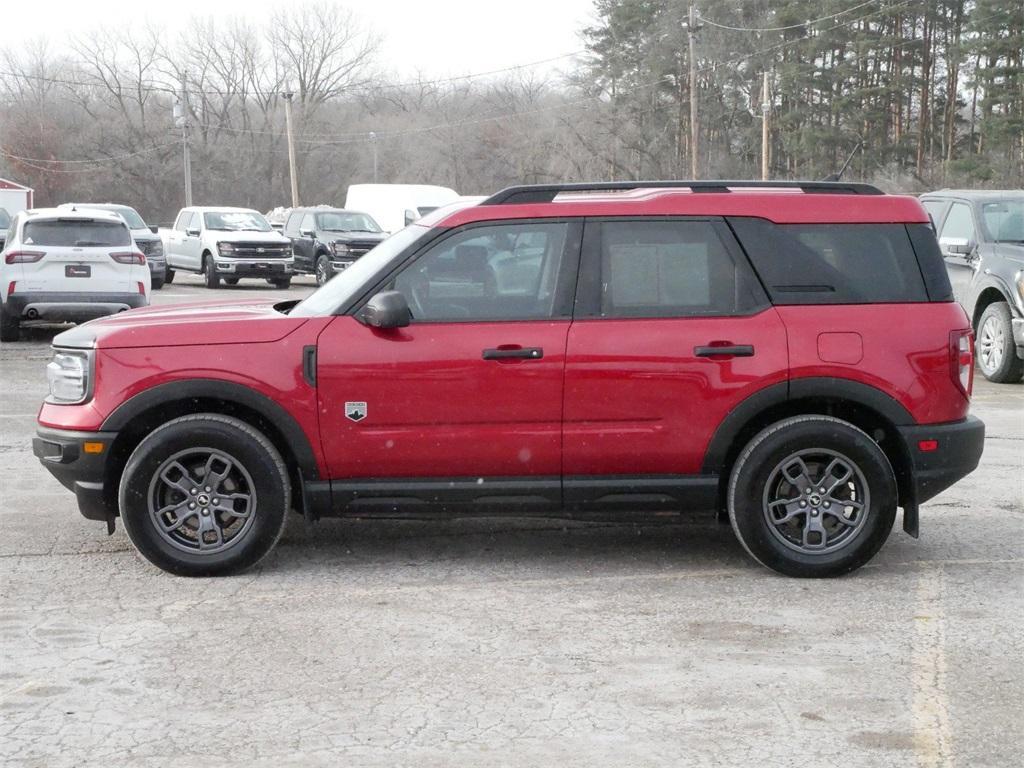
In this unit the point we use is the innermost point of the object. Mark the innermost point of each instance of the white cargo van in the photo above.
(393, 206)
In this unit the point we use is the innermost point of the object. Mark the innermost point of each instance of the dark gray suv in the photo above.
(981, 234)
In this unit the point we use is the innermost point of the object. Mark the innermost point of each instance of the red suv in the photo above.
(787, 354)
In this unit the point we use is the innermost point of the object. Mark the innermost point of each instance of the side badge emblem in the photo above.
(355, 411)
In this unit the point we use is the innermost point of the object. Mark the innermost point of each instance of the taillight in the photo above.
(10, 288)
(128, 257)
(23, 257)
(142, 289)
(961, 359)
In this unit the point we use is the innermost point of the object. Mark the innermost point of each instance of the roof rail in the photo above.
(546, 193)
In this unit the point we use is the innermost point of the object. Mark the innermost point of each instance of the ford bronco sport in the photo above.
(787, 354)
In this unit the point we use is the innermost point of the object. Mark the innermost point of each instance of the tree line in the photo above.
(920, 94)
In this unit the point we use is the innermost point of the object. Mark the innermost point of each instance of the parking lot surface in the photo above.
(507, 642)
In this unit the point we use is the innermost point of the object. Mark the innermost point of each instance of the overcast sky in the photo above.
(436, 37)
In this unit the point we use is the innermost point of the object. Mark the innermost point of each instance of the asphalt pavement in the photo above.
(507, 642)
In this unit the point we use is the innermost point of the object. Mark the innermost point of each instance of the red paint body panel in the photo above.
(906, 352)
(782, 208)
(638, 400)
(435, 407)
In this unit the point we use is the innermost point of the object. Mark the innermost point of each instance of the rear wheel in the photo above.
(231, 280)
(281, 283)
(10, 325)
(812, 496)
(323, 269)
(210, 273)
(996, 349)
(204, 495)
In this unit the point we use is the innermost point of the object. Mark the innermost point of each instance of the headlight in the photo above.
(70, 376)
(225, 249)
(340, 249)
(157, 248)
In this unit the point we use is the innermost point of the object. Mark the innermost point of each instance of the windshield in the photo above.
(1004, 220)
(236, 221)
(343, 221)
(5, 219)
(344, 286)
(80, 233)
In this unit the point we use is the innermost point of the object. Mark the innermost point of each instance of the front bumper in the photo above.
(71, 306)
(940, 455)
(63, 453)
(157, 267)
(254, 268)
(1018, 335)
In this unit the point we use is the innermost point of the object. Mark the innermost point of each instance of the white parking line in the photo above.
(933, 735)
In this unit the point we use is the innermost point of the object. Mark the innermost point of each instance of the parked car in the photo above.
(327, 240)
(394, 206)
(5, 223)
(790, 356)
(61, 265)
(981, 234)
(227, 244)
(145, 237)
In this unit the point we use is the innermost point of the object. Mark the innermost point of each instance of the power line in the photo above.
(791, 26)
(97, 161)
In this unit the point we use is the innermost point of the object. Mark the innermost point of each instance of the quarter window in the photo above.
(497, 272)
(668, 269)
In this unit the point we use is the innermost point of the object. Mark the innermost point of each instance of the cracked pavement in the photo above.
(508, 642)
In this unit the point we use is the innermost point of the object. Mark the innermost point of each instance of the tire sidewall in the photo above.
(755, 467)
(1011, 366)
(264, 467)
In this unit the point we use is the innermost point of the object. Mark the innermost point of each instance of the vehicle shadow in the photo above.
(696, 542)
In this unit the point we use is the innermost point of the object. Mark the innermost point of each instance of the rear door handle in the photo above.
(729, 350)
(513, 353)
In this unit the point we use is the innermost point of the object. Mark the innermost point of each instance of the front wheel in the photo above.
(169, 275)
(158, 284)
(281, 283)
(231, 280)
(210, 273)
(997, 351)
(204, 495)
(323, 269)
(812, 496)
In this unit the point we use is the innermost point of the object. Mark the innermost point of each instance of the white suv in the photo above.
(68, 265)
(228, 244)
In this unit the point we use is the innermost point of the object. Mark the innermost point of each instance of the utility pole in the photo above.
(766, 109)
(691, 31)
(293, 171)
(181, 120)
(373, 141)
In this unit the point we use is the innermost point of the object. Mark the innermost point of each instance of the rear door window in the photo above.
(833, 263)
(76, 233)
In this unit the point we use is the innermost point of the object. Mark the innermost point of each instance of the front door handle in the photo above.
(513, 353)
(725, 350)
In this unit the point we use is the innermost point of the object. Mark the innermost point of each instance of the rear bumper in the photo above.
(957, 450)
(63, 454)
(73, 306)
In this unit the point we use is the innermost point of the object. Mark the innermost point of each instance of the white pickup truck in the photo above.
(227, 244)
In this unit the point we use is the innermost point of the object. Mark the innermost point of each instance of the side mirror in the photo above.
(962, 246)
(307, 233)
(410, 216)
(192, 232)
(154, 229)
(387, 309)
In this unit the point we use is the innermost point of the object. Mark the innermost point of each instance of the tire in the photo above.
(10, 325)
(284, 283)
(172, 458)
(322, 269)
(231, 280)
(815, 534)
(169, 275)
(996, 349)
(210, 272)
(158, 284)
